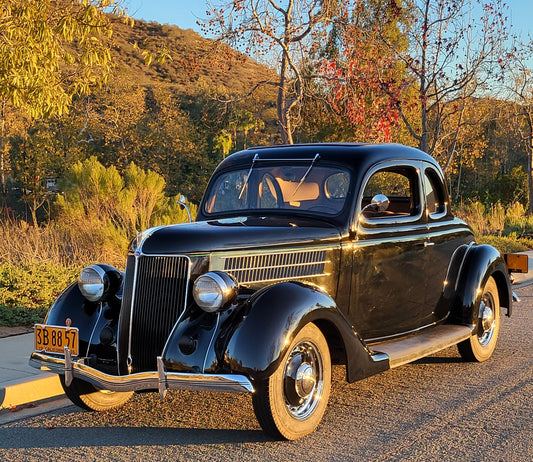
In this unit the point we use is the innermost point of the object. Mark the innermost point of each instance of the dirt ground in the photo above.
(9, 331)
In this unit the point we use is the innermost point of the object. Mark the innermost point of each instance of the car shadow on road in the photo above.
(45, 437)
(438, 360)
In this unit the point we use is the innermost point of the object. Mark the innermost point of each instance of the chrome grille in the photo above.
(269, 267)
(155, 295)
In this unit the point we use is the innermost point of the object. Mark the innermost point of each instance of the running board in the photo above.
(420, 345)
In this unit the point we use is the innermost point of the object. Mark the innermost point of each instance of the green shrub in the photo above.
(98, 215)
(33, 285)
(126, 204)
(509, 222)
(507, 244)
(20, 316)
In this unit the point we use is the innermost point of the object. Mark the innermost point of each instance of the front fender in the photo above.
(72, 305)
(90, 319)
(275, 315)
(464, 285)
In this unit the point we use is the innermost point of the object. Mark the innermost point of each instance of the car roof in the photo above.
(357, 155)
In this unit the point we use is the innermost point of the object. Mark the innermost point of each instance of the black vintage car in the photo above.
(300, 257)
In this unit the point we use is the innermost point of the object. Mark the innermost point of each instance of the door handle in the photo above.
(428, 244)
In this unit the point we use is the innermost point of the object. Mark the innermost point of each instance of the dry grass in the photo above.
(66, 246)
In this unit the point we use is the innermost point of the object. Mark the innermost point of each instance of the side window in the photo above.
(435, 202)
(400, 185)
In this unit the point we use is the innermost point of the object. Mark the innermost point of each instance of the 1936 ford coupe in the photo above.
(300, 257)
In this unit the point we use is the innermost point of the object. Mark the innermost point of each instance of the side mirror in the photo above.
(379, 203)
(181, 201)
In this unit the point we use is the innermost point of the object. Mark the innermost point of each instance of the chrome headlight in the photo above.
(93, 282)
(213, 290)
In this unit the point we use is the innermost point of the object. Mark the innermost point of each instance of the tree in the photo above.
(521, 94)
(222, 143)
(363, 77)
(51, 51)
(35, 155)
(243, 120)
(283, 32)
(453, 52)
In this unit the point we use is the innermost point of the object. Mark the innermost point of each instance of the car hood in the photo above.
(236, 234)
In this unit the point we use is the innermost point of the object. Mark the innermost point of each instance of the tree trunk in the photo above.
(33, 208)
(529, 149)
(3, 188)
(283, 115)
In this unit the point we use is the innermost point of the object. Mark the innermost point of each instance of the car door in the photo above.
(445, 234)
(388, 283)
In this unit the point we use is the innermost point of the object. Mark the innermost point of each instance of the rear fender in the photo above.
(469, 270)
(274, 317)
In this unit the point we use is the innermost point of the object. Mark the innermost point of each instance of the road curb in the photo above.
(28, 391)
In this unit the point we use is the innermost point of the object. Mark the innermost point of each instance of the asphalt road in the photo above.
(438, 408)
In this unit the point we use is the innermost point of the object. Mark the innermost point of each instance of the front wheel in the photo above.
(291, 402)
(91, 398)
(481, 345)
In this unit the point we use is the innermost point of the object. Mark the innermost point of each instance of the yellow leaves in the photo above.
(147, 56)
(160, 56)
(128, 21)
(51, 50)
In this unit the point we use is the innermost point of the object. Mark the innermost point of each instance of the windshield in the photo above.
(319, 190)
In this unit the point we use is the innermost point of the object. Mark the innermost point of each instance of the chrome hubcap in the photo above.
(303, 380)
(487, 321)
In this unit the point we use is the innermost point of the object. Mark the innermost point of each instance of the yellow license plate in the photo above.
(54, 339)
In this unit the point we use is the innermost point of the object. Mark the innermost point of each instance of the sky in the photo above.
(185, 13)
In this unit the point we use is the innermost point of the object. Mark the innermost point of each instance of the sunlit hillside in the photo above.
(190, 68)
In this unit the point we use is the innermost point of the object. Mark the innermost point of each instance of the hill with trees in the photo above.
(162, 107)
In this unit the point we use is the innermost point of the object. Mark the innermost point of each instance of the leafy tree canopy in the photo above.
(51, 51)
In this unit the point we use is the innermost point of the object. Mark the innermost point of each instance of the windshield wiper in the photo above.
(317, 156)
(248, 176)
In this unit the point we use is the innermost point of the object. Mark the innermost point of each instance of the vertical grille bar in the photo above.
(158, 302)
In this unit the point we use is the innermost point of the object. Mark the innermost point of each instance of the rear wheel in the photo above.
(480, 346)
(291, 402)
(91, 398)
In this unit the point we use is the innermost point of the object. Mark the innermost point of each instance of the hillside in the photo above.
(191, 67)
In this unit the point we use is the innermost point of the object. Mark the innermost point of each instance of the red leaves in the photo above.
(365, 85)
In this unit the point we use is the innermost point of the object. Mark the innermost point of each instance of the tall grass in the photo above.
(67, 246)
(507, 228)
(94, 222)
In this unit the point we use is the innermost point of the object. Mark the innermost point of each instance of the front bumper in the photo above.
(158, 380)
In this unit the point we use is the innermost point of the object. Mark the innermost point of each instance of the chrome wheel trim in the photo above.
(303, 380)
(487, 321)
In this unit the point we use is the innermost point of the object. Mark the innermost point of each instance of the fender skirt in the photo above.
(276, 314)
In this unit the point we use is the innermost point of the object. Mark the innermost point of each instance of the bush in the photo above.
(497, 219)
(34, 285)
(126, 204)
(28, 290)
(20, 316)
(96, 218)
(507, 244)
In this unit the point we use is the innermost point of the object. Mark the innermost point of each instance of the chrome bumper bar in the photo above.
(159, 380)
